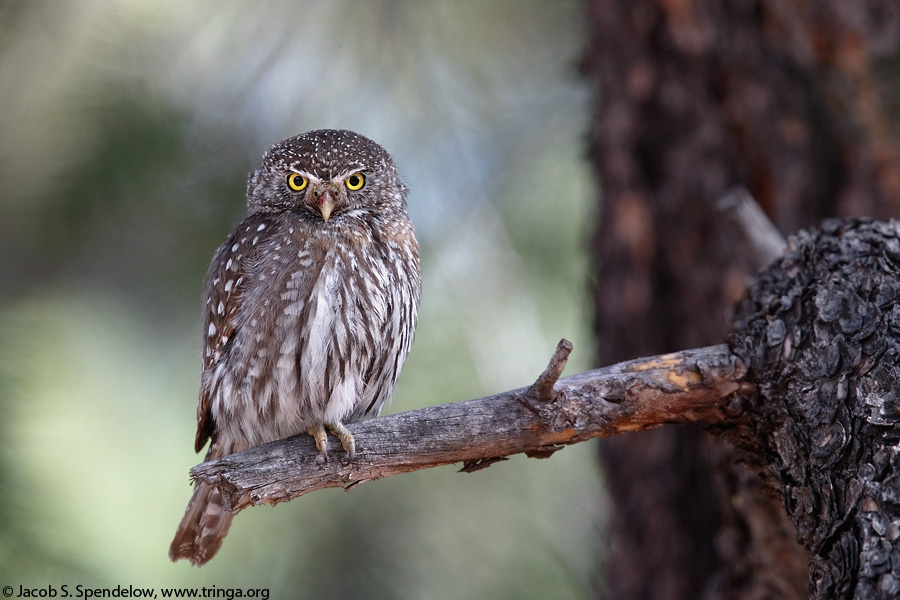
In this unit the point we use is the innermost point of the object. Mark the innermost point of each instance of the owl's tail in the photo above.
(205, 523)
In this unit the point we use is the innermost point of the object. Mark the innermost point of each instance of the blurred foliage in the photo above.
(128, 130)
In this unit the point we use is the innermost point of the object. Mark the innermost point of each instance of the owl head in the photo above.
(326, 174)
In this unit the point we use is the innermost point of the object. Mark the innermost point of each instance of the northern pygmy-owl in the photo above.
(310, 309)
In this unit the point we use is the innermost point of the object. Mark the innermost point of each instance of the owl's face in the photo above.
(326, 174)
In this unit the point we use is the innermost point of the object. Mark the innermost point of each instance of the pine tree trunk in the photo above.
(693, 98)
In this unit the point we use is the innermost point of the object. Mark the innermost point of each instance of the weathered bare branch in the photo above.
(702, 386)
(543, 387)
(763, 240)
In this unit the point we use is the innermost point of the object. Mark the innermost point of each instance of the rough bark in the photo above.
(820, 333)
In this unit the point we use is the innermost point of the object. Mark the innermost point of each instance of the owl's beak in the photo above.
(326, 205)
(325, 201)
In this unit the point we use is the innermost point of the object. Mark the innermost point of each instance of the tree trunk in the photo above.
(693, 98)
(819, 333)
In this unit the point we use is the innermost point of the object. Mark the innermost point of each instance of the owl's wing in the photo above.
(224, 292)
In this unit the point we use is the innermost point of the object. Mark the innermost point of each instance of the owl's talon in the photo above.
(350, 447)
(318, 433)
(347, 440)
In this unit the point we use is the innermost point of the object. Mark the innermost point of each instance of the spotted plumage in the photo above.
(310, 307)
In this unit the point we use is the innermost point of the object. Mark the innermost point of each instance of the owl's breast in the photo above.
(325, 324)
(323, 317)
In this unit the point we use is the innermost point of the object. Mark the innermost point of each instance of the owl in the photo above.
(310, 310)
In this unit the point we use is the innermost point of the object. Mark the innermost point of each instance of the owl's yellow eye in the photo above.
(297, 182)
(355, 181)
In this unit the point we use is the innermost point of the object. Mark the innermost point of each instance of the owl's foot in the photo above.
(317, 431)
(347, 440)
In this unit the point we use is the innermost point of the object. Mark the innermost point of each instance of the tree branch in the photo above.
(705, 386)
(760, 236)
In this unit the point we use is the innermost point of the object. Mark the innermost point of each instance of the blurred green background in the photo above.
(127, 130)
